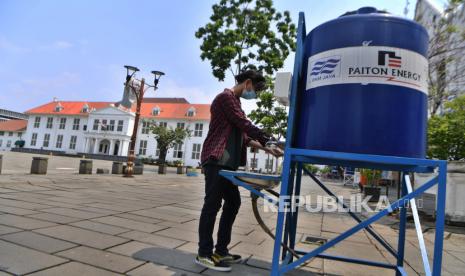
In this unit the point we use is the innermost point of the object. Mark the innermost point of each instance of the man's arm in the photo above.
(273, 151)
(236, 116)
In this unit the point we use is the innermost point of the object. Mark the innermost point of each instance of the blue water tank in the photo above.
(364, 86)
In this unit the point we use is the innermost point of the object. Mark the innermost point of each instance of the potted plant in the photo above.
(370, 178)
(179, 166)
(166, 139)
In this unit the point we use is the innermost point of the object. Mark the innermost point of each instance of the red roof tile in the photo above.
(168, 110)
(13, 125)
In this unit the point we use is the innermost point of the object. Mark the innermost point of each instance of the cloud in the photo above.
(11, 47)
(61, 44)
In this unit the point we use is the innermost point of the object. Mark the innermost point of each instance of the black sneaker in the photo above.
(212, 263)
(229, 258)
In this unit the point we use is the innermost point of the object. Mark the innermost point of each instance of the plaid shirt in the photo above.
(226, 113)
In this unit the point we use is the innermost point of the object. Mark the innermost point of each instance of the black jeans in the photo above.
(217, 189)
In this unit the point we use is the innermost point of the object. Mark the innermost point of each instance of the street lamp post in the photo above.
(137, 88)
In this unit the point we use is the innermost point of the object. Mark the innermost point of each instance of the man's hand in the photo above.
(276, 152)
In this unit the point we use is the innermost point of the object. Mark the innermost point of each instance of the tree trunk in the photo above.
(162, 158)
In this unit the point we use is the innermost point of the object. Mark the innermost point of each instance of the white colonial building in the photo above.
(101, 128)
(11, 132)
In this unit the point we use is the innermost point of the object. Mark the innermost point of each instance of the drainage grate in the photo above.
(314, 240)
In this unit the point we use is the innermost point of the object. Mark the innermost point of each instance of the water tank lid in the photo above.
(365, 10)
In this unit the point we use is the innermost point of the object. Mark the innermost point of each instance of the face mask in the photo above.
(249, 94)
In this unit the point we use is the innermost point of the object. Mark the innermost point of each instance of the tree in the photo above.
(446, 133)
(246, 32)
(168, 138)
(446, 74)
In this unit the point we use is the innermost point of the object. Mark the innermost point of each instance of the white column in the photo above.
(86, 145)
(112, 147)
(96, 146)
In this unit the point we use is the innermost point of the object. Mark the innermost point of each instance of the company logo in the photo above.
(325, 66)
(392, 60)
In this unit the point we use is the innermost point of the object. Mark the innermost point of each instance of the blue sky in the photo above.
(75, 50)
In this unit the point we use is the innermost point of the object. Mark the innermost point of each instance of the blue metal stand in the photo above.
(294, 158)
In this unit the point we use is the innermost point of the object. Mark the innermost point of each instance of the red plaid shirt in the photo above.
(226, 113)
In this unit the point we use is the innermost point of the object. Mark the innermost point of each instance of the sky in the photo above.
(76, 50)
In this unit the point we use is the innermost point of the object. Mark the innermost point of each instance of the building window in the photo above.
(96, 122)
(157, 152)
(37, 122)
(198, 130)
(72, 142)
(191, 112)
(156, 111)
(49, 122)
(111, 127)
(8, 144)
(196, 151)
(46, 140)
(163, 124)
(253, 163)
(62, 123)
(20, 134)
(2, 133)
(177, 153)
(145, 127)
(34, 139)
(143, 147)
(104, 125)
(120, 125)
(1, 141)
(84, 127)
(269, 164)
(180, 125)
(254, 150)
(10, 133)
(59, 141)
(76, 124)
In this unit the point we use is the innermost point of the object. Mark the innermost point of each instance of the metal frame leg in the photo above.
(289, 215)
(402, 226)
(440, 218)
(293, 224)
(280, 220)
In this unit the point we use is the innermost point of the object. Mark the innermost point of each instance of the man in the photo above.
(225, 147)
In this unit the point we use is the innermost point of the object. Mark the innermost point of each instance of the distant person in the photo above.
(225, 147)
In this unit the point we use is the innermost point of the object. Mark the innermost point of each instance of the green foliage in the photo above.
(372, 176)
(246, 32)
(311, 168)
(269, 115)
(168, 138)
(446, 133)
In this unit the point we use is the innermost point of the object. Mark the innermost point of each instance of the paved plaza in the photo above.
(68, 224)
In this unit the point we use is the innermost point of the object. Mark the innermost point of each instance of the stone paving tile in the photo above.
(16, 210)
(101, 259)
(138, 218)
(171, 258)
(97, 210)
(153, 239)
(20, 260)
(130, 224)
(100, 227)
(152, 214)
(22, 204)
(128, 249)
(240, 269)
(72, 213)
(151, 269)
(38, 242)
(114, 207)
(8, 230)
(54, 218)
(191, 247)
(74, 269)
(82, 236)
(179, 233)
(23, 222)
